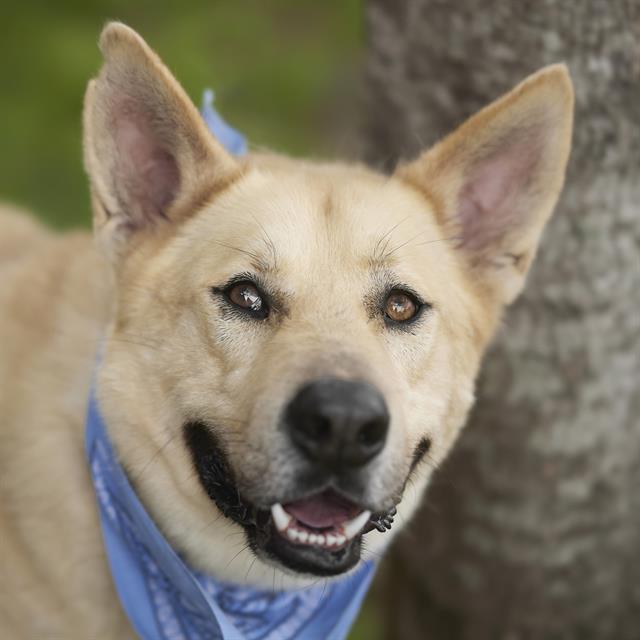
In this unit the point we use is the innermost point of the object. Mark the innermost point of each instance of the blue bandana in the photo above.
(233, 140)
(167, 600)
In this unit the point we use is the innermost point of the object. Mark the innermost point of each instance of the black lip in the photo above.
(313, 560)
(216, 477)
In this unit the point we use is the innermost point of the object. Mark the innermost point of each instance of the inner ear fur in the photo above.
(495, 181)
(148, 153)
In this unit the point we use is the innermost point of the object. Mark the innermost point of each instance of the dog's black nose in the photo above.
(338, 424)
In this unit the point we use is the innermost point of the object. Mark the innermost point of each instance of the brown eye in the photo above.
(246, 296)
(400, 306)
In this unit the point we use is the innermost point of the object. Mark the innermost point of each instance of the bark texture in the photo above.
(532, 529)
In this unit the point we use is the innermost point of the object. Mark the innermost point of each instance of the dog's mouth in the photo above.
(327, 520)
(319, 534)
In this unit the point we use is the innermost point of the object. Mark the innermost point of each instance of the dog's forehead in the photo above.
(325, 221)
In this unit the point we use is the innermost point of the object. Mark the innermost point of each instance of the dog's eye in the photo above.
(400, 306)
(246, 296)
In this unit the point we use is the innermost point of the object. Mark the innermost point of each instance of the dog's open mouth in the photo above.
(319, 534)
(326, 520)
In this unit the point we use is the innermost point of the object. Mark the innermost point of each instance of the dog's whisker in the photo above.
(446, 239)
(434, 464)
(246, 575)
(210, 523)
(375, 554)
(135, 343)
(245, 547)
(234, 534)
(258, 260)
(324, 589)
(378, 250)
(151, 460)
(268, 241)
(411, 245)
(389, 253)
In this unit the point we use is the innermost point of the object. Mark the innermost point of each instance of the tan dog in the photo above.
(317, 327)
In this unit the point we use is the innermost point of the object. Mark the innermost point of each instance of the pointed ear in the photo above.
(150, 158)
(495, 181)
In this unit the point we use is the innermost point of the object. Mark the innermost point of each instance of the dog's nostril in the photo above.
(338, 424)
(373, 433)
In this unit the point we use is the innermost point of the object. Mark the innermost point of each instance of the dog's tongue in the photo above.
(327, 509)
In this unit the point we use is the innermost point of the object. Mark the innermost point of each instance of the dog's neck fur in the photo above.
(62, 281)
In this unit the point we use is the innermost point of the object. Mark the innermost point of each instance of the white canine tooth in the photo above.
(320, 540)
(303, 536)
(353, 527)
(331, 540)
(280, 517)
(312, 538)
(340, 539)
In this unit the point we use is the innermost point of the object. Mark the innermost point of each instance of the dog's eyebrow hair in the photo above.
(387, 258)
(268, 243)
(382, 245)
(379, 263)
(258, 262)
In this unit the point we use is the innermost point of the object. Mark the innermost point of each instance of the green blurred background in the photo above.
(285, 72)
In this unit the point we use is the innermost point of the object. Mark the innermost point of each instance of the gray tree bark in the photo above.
(532, 529)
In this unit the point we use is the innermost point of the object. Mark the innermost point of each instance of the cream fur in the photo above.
(169, 355)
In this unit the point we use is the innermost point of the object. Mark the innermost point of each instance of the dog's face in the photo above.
(294, 345)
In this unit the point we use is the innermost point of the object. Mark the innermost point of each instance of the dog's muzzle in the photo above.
(337, 427)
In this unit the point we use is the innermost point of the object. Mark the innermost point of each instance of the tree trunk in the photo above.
(532, 529)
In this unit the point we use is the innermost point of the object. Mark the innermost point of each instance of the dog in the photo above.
(278, 346)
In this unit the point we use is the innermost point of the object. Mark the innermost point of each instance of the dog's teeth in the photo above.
(353, 527)
(284, 521)
(280, 517)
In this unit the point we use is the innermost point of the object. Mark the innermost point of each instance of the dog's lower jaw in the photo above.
(310, 560)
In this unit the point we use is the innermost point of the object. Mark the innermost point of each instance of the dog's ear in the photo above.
(495, 181)
(150, 158)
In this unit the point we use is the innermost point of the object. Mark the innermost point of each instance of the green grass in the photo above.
(369, 624)
(276, 66)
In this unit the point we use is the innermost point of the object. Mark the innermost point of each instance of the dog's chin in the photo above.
(307, 559)
(316, 535)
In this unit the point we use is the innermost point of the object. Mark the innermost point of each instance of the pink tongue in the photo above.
(326, 509)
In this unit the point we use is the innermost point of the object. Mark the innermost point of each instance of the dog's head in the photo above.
(294, 345)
